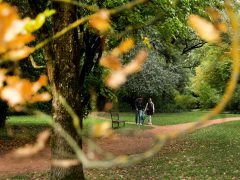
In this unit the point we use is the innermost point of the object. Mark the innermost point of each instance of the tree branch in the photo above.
(195, 46)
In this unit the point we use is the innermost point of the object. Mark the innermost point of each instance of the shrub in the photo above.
(186, 102)
(208, 97)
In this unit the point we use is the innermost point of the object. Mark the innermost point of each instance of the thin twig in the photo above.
(34, 64)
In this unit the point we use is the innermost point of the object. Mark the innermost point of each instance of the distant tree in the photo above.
(211, 76)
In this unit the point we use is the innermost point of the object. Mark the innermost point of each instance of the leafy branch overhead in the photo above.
(15, 33)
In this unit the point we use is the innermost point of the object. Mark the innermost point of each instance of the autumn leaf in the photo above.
(101, 130)
(13, 36)
(206, 30)
(100, 21)
(118, 77)
(41, 97)
(214, 14)
(124, 47)
(111, 62)
(20, 91)
(115, 79)
(17, 54)
(136, 64)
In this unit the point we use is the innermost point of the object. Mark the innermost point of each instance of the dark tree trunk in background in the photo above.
(3, 113)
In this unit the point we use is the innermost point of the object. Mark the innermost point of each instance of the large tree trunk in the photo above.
(67, 77)
(64, 75)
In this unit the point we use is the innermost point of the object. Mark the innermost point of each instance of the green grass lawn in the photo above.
(209, 153)
(19, 126)
(158, 119)
(28, 120)
(184, 117)
(163, 119)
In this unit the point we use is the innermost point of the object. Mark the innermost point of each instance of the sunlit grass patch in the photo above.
(24, 119)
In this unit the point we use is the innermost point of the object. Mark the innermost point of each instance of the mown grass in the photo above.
(158, 119)
(28, 120)
(184, 117)
(210, 153)
(25, 128)
(163, 119)
(87, 123)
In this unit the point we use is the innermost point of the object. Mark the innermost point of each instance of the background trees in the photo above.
(171, 59)
(72, 61)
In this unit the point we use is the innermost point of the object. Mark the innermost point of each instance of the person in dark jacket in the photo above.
(149, 110)
(139, 107)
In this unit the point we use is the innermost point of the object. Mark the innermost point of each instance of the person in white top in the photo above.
(149, 110)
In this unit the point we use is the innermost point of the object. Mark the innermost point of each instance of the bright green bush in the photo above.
(208, 97)
(186, 102)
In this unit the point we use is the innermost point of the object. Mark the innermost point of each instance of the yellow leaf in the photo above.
(17, 54)
(17, 27)
(101, 130)
(41, 97)
(42, 81)
(100, 21)
(204, 28)
(126, 45)
(12, 96)
(116, 79)
(147, 42)
(214, 14)
(111, 62)
(136, 64)
(20, 41)
(222, 27)
(38, 22)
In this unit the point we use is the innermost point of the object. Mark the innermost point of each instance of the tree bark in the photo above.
(70, 60)
(63, 72)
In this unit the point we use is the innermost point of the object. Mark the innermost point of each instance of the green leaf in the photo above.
(49, 12)
(38, 22)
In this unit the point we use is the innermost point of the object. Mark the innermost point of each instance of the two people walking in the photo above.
(149, 109)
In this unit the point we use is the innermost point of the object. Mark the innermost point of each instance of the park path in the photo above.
(170, 128)
(121, 144)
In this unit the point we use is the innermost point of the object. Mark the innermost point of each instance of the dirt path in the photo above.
(169, 128)
(124, 144)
